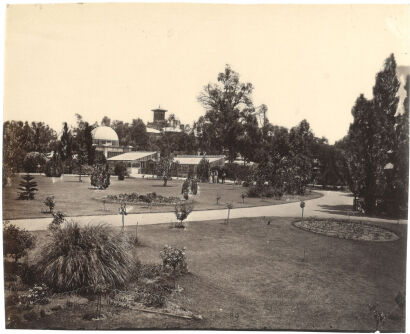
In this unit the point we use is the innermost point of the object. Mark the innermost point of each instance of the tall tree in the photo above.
(138, 134)
(371, 137)
(66, 147)
(123, 131)
(226, 103)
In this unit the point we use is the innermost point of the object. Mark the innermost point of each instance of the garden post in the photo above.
(302, 205)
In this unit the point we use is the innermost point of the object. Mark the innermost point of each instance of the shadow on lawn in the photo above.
(344, 210)
(162, 186)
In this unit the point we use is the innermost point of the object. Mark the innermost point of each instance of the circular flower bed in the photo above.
(343, 229)
(150, 198)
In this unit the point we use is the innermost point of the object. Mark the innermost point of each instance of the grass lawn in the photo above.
(78, 199)
(251, 275)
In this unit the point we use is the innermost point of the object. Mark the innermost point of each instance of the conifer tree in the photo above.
(27, 187)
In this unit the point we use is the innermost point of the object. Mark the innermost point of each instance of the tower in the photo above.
(159, 114)
(159, 121)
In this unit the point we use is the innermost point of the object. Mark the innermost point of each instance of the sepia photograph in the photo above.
(205, 166)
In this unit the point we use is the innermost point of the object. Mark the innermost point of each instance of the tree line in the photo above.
(372, 159)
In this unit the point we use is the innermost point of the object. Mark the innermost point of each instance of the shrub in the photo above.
(238, 172)
(50, 203)
(28, 273)
(34, 162)
(254, 191)
(87, 258)
(263, 190)
(203, 170)
(121, 170)
(100, 177)
(16, 241)
(194, 186)
(174, 259)
(58, 219)
(185, 186)
(27, 187)
(53, 168)
(182, 211)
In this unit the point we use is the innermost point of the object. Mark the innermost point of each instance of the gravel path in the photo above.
(333, 204)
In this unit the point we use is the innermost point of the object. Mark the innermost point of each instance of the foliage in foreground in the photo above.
(16, 241)
(91, 258)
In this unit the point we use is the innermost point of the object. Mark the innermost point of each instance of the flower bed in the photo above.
(343, 229)
(150, 198)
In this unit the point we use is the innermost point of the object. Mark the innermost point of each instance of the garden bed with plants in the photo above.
(149, 198)
(345, 229)
(88, 268)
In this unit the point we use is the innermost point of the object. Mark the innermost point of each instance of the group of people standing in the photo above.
(218, 176)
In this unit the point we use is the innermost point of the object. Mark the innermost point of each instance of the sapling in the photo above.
(50, 203)
(123, 212)
(229, 207)
(218, 197)
(243, 195)
(302, 205)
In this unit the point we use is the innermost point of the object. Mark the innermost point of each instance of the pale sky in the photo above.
(122, 60)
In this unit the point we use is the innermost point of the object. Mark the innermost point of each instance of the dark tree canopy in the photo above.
(371, 137)
(228, 106)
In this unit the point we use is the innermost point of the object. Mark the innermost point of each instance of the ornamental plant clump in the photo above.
(121, 170)
(174, 259)
(88, 259)
(100, 177)
(182, 211)
(27, 187)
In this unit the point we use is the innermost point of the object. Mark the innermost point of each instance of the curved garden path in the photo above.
(333, 204)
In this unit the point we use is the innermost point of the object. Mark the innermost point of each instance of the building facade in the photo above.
(105, 140)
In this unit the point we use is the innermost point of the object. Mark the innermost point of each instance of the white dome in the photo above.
(104, 133)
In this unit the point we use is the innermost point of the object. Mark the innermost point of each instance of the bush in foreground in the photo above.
(16, 241)
(87, 258)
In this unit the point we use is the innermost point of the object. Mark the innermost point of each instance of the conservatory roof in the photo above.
(131, 156)
(195, 159)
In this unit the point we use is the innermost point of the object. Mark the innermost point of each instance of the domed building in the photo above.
(105, 135)
(105, 140)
